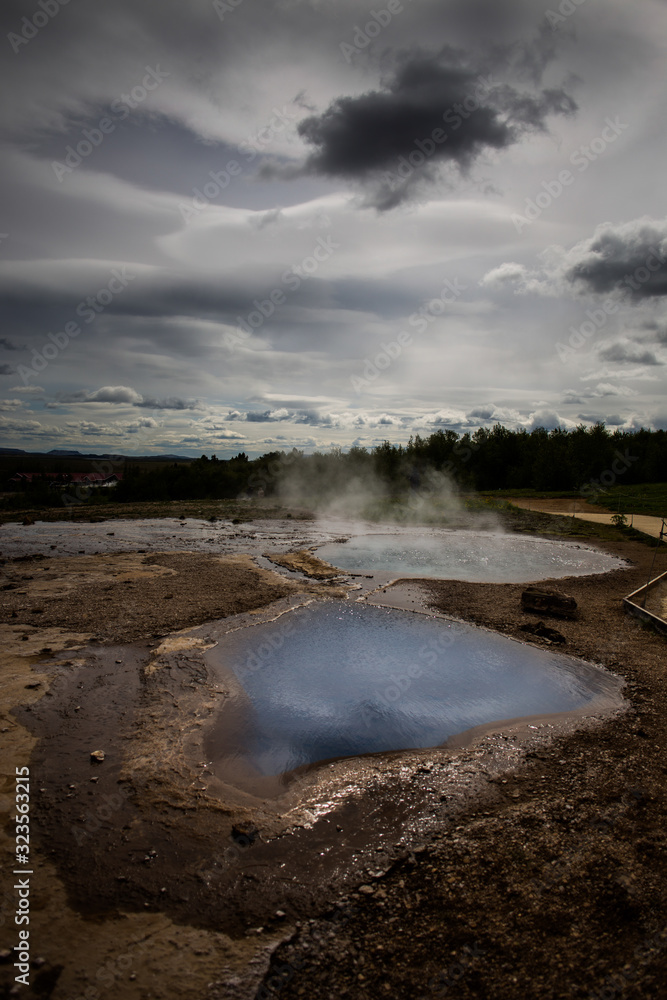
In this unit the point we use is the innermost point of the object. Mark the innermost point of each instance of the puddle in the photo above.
(474, 556)
(335, 679)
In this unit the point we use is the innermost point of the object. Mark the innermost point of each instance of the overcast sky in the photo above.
(258, 224)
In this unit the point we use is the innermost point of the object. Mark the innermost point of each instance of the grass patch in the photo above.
(644, 498)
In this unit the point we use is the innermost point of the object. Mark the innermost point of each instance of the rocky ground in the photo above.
(551, 883)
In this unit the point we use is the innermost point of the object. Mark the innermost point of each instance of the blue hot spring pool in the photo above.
(338, 679)
(475, 556)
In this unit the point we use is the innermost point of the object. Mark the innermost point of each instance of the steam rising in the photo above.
(407, 494)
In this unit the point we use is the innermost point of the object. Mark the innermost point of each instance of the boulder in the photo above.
(548, 602)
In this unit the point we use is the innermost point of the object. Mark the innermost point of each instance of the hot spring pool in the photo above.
(475, 556)
(336, 679)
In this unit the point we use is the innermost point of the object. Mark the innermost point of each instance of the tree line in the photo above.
(584, 459)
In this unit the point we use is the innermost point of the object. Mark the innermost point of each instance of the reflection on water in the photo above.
(476, 556)
(337, 679)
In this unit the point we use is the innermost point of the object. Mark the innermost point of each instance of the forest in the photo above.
(586, 459)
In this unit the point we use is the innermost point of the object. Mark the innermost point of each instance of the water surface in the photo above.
(475, 556)
(338, 679)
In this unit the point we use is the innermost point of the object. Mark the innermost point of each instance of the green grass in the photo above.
(644, 498)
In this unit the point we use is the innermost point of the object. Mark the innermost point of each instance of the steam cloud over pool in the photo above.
(339, 679)
(476, 556)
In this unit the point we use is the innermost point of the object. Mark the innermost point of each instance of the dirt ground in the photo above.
(551, 883)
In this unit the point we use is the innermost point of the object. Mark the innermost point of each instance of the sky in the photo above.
(253, 225)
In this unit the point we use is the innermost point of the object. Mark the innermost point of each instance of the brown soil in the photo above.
(551, 884)
(305, 562)
(125, 597)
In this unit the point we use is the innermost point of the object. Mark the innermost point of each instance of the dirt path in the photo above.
(589, 512)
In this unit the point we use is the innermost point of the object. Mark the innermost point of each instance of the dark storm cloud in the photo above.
(122, 394)
(312, 418)
(7, 370)
(630, 258)
(656, 333)
(145, 311)
(8, 344)
(171, 403)
(267, 417)
(436, 109)
(628, 352)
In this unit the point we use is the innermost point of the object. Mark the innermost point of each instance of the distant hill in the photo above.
(69, 460)
(92, 456)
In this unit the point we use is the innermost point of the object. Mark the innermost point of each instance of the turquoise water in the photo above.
(338, 679)
(476, 556)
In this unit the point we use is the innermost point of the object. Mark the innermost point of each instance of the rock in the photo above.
(97, 756)
(544, 632)
(548, 602)
(28, 520)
